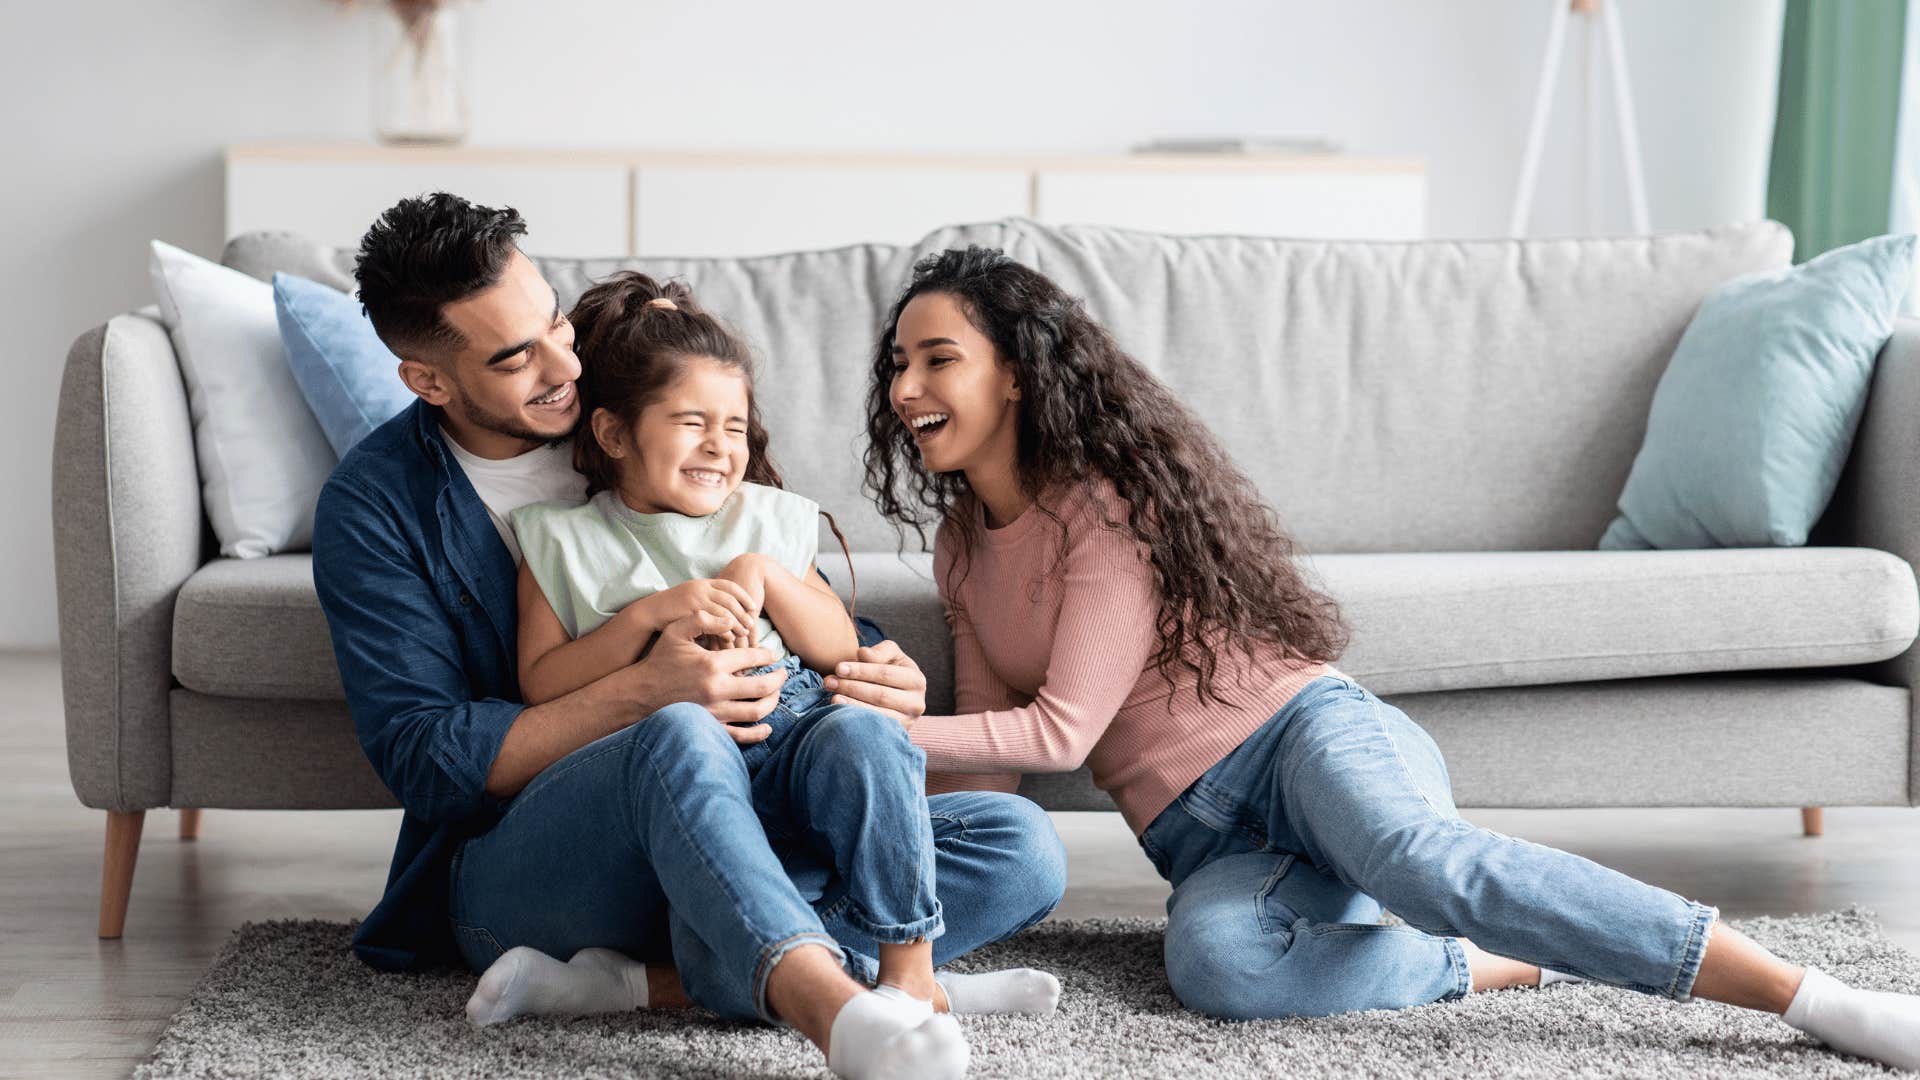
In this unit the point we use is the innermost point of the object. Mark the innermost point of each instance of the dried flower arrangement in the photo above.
(415, 15)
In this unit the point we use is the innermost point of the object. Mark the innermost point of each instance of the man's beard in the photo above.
(510, 426)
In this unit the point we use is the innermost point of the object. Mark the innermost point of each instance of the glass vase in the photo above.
(419, 73)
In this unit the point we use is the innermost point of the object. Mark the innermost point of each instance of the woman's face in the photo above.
(687, 451)
(952, 389)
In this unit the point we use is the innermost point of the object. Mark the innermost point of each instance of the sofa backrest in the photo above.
(1417, 396)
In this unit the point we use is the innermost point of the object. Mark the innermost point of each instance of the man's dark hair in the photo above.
(426, 252)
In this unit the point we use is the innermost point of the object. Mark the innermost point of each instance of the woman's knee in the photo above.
(1244, 938)
(1217, 971)
(1231, 975)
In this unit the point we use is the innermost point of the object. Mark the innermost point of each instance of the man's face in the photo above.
(510, 388)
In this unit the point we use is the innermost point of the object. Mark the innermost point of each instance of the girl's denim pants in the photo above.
(659, 842)
(1282, 855)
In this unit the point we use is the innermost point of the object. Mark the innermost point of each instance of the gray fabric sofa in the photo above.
(1445, 426)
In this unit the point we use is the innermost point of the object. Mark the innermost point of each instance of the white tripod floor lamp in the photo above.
(1607, 14)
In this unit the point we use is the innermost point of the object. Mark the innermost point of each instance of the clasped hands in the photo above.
(708, 635)
(734, 597)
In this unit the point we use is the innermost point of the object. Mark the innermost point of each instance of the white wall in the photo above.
(115, 112)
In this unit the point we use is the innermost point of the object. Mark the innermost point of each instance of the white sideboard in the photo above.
(603, 202)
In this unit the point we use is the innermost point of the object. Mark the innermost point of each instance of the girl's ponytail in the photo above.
(633, 335)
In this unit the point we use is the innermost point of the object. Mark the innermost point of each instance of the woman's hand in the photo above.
(884, 678)
(728, 600)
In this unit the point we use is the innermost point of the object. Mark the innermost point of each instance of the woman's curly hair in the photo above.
(1088, 411)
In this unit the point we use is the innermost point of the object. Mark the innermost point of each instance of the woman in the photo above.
(1120, 597)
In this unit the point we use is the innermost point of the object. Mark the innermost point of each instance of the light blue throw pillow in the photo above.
(1753, 419)
(349, 378)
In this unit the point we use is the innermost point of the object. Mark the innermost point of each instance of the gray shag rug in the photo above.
(289, 999)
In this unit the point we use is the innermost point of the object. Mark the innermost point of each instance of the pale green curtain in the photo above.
(1834, 139)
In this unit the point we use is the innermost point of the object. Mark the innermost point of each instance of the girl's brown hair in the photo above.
(1089, 412)
(632, 349)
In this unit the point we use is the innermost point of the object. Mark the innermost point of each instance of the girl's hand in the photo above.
(727, 600)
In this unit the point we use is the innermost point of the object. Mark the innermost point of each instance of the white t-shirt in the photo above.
(542, 475)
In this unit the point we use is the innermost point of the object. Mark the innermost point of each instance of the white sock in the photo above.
(920, 1006)
(1548, 977)
(1871, 1024)
(1016, 990)
(528, 982)
(882, 1035)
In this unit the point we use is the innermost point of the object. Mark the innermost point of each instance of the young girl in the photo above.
(685, 513)
(1120, 597)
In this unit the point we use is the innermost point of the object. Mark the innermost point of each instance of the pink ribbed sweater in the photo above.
(1051, 669)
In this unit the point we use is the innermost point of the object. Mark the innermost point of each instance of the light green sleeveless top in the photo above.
(593, 559)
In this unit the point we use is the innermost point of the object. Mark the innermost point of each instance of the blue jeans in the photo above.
(1282, 854)
(800, 692)
(654, 841)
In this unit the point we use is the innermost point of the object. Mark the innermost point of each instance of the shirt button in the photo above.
(466, 599)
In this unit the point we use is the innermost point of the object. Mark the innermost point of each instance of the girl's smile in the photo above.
(687, 451)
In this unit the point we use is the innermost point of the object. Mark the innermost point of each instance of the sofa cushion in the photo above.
(1476, 620)
(1420, 396)
(809, 316)
(1753, 419)
(1773, 741)
(262, 456)
(253, 628)
(1484, 395)
(349, 378)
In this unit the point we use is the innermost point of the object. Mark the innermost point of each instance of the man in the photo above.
(415, 566)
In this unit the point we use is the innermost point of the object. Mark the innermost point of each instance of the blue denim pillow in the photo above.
(350, 380)
(1752, 421)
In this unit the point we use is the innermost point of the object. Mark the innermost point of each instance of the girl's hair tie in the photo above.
(663, 302)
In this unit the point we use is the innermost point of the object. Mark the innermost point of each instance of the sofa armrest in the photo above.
(1877, 502)
(128, 530)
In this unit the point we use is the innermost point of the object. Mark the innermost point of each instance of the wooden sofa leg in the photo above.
(190, 823)
(1813, 820)
(116, 880)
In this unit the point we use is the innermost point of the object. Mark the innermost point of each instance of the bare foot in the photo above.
(1492, 972)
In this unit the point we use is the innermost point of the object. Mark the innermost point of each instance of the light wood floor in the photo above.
(72, 1005)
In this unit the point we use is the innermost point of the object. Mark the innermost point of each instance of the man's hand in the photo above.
(679, 669)
(885, 678)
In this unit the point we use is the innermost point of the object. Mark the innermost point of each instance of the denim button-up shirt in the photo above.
(419, 596)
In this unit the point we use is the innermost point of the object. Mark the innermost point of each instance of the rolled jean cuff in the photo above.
(770, 958)
(1462, 973)
(1688, 969)
(897, 933)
